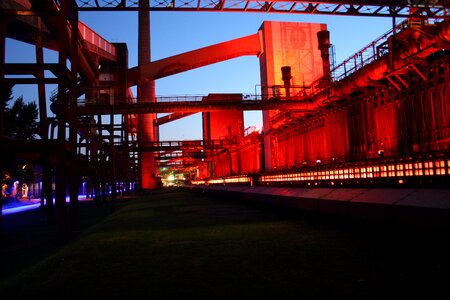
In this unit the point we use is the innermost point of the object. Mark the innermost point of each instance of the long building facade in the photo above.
(401, 113)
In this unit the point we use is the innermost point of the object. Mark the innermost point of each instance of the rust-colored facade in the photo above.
(287, 44)
(243, 156)
(396, 106)
(391, 104)
(223, 125)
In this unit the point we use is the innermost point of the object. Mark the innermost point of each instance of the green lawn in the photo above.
(180, 245)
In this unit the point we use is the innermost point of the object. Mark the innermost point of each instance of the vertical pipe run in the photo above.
(323, 38)
(72, 120)
(146, 93)
(41, 86)
(286, 77)
(3, 89)
(101, 161)
(112, 158)
(60, 193)
(3, 95)
(47, 195)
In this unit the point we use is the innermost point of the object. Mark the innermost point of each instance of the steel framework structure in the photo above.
(108, 153)
(383, 8)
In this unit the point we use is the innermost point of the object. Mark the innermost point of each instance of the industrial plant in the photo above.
(380, 119)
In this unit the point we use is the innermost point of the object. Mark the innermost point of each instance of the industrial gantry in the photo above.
(382, 114)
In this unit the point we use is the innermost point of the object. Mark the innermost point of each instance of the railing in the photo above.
(180, 145)
(366, 55)
(182, 98)
(197, 98)
(251, 129)
(177, 99)
(196, 154)
(101, 46)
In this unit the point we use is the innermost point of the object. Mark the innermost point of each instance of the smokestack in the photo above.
(323, 38)
(286, 77)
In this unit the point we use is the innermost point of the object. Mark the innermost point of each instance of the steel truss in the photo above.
(383, 8)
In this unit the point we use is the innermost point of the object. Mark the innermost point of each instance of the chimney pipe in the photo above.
(286, 77)
(323, 38)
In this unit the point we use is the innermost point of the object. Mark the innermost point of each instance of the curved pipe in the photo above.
(377, 70)
(248, 45)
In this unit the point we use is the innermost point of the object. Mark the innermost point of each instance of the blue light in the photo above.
(26, 207)
(14, 210)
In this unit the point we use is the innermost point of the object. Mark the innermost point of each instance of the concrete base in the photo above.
(428, 208)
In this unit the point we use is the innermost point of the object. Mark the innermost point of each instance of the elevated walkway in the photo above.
(24, 27)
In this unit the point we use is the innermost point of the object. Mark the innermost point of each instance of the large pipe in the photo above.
(429, 43)
(323, 38)
(146, 94)
(248, 45)
(286, 77)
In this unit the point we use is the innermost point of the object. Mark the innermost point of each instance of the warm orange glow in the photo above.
(318, 150)
(397, 170)
(240, 179)
(148, 176)
(440, 167)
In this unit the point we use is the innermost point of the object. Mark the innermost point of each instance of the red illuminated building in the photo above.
(380, 117)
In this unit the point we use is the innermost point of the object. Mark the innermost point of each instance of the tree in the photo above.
(20, 123)
(21, 120)
(6, 96)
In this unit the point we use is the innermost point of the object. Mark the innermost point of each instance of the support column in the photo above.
(72, 120)
(112, 157)
(126, 152)
(46, 193)
(101, 161)
(3, 95)
(61, 170)
(3, 89)
(146, 93)
(95, 159)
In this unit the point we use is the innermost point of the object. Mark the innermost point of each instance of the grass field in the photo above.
(179, 245)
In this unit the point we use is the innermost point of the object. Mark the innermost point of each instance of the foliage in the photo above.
(26, 173)
(5, 96)
(21, 120)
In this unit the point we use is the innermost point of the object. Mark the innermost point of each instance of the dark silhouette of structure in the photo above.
(380, 117)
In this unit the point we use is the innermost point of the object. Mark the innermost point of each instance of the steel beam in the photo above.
(3, 86)
(248, 45)
(191, 145)
(193, 107)
(170, 118)
(383, 8)
(146, 94)
(35, 69)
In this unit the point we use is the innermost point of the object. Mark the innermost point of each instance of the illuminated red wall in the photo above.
(223, 124)
(242, 158)
(203, 171)
(248, 158)
(323, 138)
(146, 93)
(291, 44)
(287, 44)
(383, 120)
